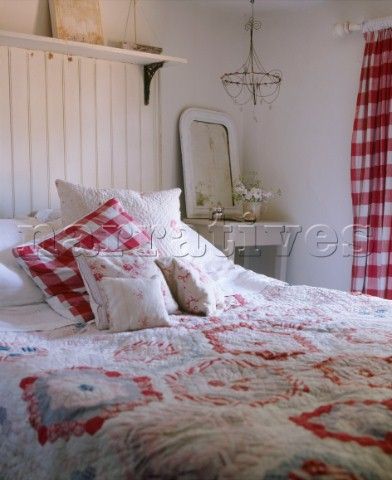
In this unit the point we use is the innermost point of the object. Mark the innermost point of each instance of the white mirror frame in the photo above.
(208, 116)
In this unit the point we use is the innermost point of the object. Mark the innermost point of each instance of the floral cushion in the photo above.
(192, 287)
(134, 304)
(95, 267)
(52, 266)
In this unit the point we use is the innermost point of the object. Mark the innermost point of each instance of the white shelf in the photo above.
(54, 45)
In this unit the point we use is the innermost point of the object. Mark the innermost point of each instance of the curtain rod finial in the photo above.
(342, 29)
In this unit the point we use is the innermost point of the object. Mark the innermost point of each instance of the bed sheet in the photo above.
(38, 316)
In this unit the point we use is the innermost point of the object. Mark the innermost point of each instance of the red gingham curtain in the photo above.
(371, 170)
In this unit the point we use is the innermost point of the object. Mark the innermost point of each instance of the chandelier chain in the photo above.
(252, 82)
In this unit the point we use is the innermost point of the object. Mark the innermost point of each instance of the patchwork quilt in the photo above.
(290, 383)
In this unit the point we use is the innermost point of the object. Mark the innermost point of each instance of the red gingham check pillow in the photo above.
(52, 266)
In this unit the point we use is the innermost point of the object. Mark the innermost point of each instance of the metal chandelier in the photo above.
(252, 82)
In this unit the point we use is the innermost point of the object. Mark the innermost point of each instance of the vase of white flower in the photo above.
(249, 192)
(255, 209)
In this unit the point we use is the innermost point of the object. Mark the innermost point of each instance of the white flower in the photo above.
(252, 191)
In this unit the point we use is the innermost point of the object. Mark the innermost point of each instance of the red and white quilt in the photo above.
(291, 382)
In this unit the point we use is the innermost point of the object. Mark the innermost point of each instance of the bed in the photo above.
(285, 382)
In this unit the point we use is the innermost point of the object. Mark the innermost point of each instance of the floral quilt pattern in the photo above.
(288, 383)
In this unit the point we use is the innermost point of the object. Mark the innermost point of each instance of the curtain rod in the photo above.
(342, 29)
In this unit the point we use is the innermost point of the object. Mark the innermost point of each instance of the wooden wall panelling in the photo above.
(73, 163)
(75, 118)
(6, 176)
(119, 125)
(38, 130)
(134, 106)
(55, 120)
(20, 128)
(88, 135)
(149, 164)
(103, 123)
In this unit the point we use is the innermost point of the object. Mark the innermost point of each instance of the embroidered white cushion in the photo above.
(158, 212)
(192, 287)
(134, 304)
(95, 266)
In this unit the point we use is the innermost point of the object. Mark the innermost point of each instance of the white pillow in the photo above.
(134, 304)
(199, 250)
(16, 288)
(192, 287)
(158, 212)
(231, 278)
(49, 215)
(94, 267)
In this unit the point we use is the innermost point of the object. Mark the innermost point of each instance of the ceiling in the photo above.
(266, 5)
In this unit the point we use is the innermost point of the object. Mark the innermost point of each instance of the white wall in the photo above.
(211, 41)
(302, 144)
(190, 29)
(25, 16)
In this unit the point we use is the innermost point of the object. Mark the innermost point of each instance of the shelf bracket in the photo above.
(149, 72)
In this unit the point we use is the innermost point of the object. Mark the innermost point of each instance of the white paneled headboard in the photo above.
(75, 118)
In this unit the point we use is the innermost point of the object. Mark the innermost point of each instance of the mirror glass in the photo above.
(211, 164)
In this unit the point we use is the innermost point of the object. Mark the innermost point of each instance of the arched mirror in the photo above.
(210, 162)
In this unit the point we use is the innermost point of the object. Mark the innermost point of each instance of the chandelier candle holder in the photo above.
(252, 82)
